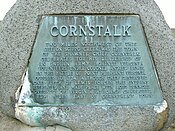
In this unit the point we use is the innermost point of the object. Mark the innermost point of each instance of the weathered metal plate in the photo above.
(92, 60)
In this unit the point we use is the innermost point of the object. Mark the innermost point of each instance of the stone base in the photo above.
(10, 124)
(96, 118)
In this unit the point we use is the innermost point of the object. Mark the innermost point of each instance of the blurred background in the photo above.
(167, 7)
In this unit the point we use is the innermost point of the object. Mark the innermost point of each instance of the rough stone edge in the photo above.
(11, 124)
(161, 111)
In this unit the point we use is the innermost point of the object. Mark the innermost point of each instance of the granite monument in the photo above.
(87, 65)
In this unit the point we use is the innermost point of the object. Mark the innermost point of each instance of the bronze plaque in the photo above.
(92, 60)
